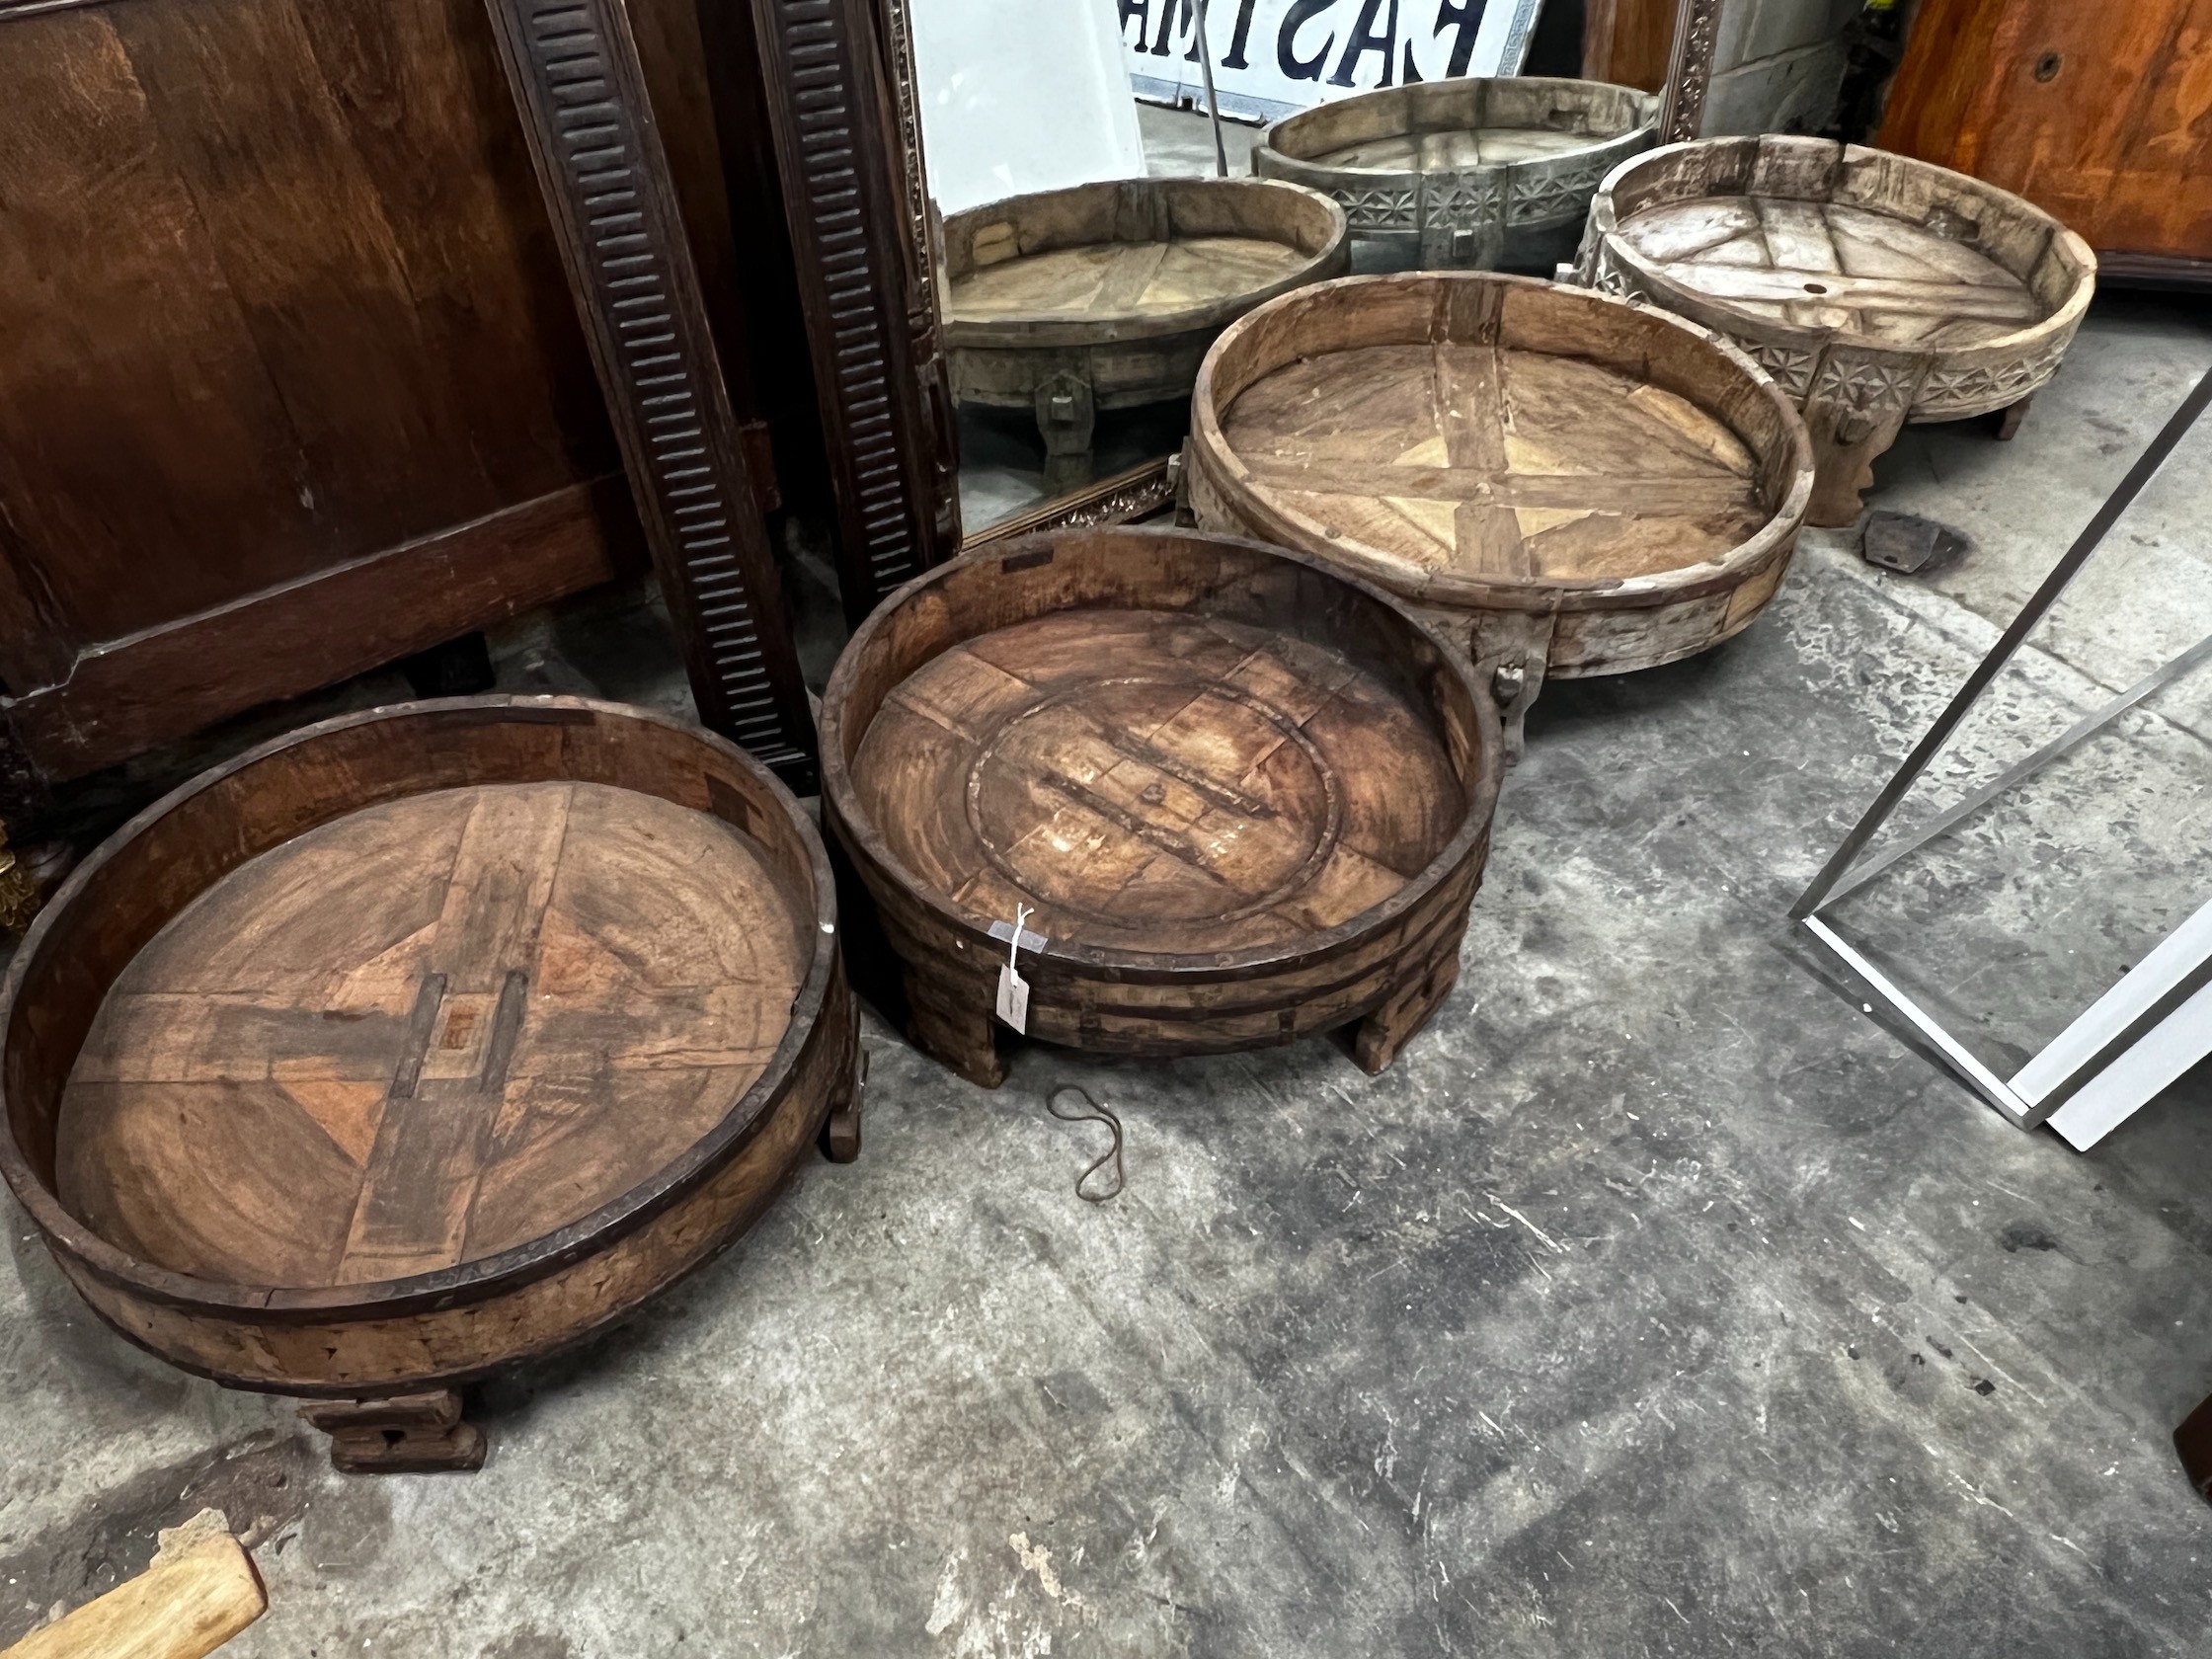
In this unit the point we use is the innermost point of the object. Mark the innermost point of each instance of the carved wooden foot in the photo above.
(960, 1038)
(1065, 415)
(1855, 411)
(2193, 1440)
(2009, 418)
(408, 1434)
(1389, 1028)
(841, 1130)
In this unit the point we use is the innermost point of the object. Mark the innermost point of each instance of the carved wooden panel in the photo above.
(1682, 110)
(864, 286)
(575, 71)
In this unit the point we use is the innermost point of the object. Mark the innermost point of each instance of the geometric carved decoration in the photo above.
(1551, 195)
(1379, 208)
(1791, 368)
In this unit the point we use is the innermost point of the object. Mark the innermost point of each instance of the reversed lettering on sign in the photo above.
(1274, 58)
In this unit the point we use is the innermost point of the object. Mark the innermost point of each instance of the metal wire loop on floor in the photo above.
(1113, 1155)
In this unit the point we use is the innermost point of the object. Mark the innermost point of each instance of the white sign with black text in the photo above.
(1275, 57)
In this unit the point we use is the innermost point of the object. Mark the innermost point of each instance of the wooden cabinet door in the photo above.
(290, 382)
(2099, 114)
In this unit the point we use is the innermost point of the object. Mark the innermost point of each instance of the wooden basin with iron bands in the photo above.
(1230, 795)
(1559, 482)
(422, 1041)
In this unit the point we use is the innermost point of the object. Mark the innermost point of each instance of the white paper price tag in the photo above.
(1013, 998)
(1013, 990)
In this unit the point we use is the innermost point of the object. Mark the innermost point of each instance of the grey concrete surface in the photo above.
(1658, 1301)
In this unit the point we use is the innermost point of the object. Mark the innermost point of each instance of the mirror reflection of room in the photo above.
(1116, 180)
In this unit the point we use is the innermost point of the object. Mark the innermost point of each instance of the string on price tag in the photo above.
(1093, 1112)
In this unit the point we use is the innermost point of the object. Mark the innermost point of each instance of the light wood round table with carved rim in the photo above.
(1472, 172)
(420, 1041)
(1876, 288)
(1561, 482)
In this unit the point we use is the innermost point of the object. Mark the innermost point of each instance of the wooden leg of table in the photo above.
(841, 1130)
(1380, 1036)
(1844, 467)
(953, 1033)
(1066, 414)
(408, 1434)
(2193, 1440)
(2009, 418)
(1855, 411)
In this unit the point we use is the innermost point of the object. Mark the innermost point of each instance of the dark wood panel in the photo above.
(303, 242)
(136, 409)
(1628, 41)
(290, 382)
(175, 678)
(418, 86)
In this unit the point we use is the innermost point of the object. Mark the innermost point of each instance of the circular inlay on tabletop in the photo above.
(1230, 795)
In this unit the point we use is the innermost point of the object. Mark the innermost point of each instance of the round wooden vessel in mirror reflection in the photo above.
(1105, 297)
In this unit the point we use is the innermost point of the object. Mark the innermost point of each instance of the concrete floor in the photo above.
(1656, 1301)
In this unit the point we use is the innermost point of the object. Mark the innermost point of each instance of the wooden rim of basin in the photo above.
(2053, 265)
(67, 933)
(1314, 139)
(1441, 309)
(875, 650)
(1141, 212)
